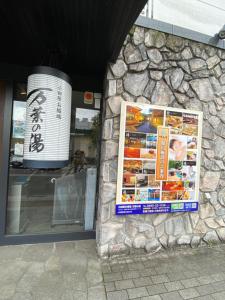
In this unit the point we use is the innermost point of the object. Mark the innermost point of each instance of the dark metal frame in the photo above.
(4, 172)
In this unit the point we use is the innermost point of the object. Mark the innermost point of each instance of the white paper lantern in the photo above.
(48, 117)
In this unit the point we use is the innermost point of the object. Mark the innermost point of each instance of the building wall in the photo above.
(163, 69)
(2, 104)
(205, 16)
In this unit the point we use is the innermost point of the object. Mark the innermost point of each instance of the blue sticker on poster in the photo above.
(155, 208)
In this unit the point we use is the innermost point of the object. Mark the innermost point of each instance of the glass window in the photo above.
(42, 201)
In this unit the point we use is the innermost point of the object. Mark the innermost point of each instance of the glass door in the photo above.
(45, 201)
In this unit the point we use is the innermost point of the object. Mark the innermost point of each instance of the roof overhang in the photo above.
(77, 36)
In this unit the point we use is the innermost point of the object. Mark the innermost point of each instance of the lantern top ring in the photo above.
(51, 71)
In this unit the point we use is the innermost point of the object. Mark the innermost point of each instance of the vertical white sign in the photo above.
(48, 115)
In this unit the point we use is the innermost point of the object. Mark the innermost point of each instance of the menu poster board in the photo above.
(159, 159)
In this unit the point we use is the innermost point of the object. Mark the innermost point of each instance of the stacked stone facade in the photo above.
(163, 69)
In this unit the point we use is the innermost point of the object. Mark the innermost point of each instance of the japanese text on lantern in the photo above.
(37, 114)
(59, 103)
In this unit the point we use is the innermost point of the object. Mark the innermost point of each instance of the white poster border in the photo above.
(124, 105)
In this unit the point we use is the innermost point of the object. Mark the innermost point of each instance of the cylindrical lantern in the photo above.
(47, 119)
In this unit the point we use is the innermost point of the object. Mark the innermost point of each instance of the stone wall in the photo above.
(163, 69)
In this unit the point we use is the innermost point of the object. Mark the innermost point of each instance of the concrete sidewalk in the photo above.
(72, 271)
(65, 271)
(175, 275)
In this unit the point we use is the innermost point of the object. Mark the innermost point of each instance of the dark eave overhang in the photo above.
(77, 36)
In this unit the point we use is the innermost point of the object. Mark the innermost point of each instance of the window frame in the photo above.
(6, 239)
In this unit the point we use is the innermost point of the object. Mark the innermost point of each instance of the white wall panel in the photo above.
(204, 16)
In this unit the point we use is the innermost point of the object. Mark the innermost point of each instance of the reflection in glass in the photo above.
(42, 201)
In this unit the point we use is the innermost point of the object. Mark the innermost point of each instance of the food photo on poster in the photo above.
(159, 159)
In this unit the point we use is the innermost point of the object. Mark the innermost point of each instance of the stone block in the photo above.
(194, 218)
(186, 53)
(201, 227)
(203, 89)
(140, 66)
(139, 241)
(131, 229)
(130, 274)
(119, 86)
(212, 61)
(211, 223)
(124, 284)
(214, 122)
(189, 293)
(136, 83)
(197, 64)
(156, 289)
(156, 279)
(115, 104)
(128, 97)
(149, 89)
(117, 295)
(207, 131)
(184, 240)
(211, 237)
(156, 75)
(175, 43)
(142, 281)
(221, 234)
(221, 114)
(210, 181)
(139, 35)
(159, 219)
(174, 77)
(193, 104)
(96, 293)
(222, 79)
(142, 99)
(184, 65)
(131, 54)
(119, 68)
(111, 91)
(153, 245)
(143, 52)
(162, 94)
(173, 286)
(105, 213)
(110, 286)
(109, 150)
(163, 240)
(217, 72)
(159, 230)
(155, 38)
(115, 276)
(109, 231)
(181, 98)
(107, 129)
(171, 296)
(219, 148)
(137, 292)
(218, 89)
(195, 241)
(154, 56)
